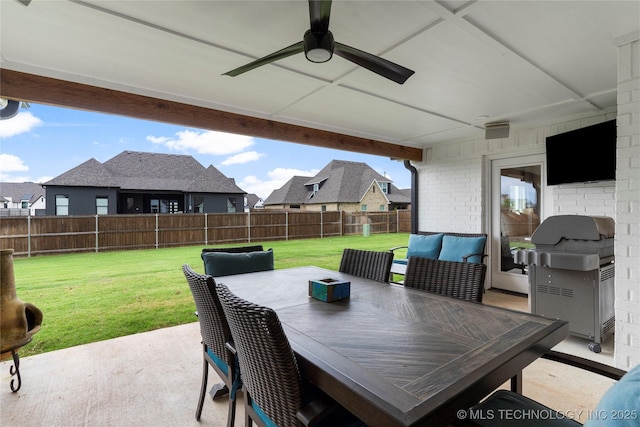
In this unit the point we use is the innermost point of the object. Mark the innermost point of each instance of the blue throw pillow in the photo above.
(454, 248)
(620, 405)
(219, 264)
(424, 246)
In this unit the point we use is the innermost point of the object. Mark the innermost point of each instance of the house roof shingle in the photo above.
(19, 191)
(91, 173)
(339, 181)
(292, 192)
(142, 171)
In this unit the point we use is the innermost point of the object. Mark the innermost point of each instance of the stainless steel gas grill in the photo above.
(571, 274)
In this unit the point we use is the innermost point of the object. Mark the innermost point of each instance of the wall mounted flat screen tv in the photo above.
(582, 155)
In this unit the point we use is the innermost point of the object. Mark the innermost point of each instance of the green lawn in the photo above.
(96, 296)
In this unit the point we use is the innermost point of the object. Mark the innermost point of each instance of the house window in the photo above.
(382, 207)
(62, 204)
(198, 204)
(102, 205)
(363, 208)
(384, 186)
(24, 204)
(323, 208)
(164, 206)
(294, 206)
(231, 205)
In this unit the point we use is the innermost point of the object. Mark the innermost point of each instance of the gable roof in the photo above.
(292, 192)
(91, 173)
(19, 191)
(397, 195)
(211, 180)
(136, 170)
(339, 181)
(253, 200)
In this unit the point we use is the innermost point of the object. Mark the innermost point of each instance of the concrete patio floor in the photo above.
(153, 379)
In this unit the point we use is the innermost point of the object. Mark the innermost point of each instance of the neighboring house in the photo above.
(253, 201)
(138, 182)
(340, 186)
(21, 199)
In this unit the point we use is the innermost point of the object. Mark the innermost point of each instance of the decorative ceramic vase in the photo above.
(19, 320)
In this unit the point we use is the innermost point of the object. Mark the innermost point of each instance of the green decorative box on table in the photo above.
(329, 290)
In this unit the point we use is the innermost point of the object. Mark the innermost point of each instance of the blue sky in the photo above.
(42, 142)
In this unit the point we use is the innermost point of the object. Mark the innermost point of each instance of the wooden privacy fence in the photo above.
(36, 235)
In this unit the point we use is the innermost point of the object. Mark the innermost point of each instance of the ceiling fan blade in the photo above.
(388, 69)
(282, 53)
(25, 2)
(319, 11)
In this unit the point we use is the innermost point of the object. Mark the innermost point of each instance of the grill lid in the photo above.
(573, 227)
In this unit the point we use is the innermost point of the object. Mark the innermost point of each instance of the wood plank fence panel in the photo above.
(42, 235)
(227, 228)
(269, 225)
(181, 230)
(14, 233)
(126, 232)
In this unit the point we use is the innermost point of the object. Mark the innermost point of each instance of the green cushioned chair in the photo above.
(619, 407)
(218, 264)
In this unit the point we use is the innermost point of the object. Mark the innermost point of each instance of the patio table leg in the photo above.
(516, 383)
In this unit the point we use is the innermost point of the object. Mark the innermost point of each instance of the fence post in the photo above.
(157, 239)
(29, 236)
(206, 229)
(321, 225)
(341, 223)
(97, 243)
(249, 226)
(286, 225)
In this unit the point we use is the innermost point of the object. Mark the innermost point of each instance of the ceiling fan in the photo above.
(318, 45)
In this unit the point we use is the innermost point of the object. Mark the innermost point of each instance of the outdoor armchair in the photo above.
(620, 405)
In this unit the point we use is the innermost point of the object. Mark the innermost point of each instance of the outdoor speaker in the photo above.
(496, 130)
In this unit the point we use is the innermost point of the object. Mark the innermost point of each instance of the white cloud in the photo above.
(276, 179)
(205, 142)
(11, 163)
(22, 123)
(246, 157)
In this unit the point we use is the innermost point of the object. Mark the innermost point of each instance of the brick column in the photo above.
(627, 240)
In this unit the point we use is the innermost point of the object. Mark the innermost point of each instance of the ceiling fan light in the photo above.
(318, 47)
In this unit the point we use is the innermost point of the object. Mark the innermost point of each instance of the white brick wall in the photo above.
(453, 197)
(627, 248)
(597, 199)
(452, 200)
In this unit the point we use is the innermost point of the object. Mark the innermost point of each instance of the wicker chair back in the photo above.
(269, 369)
(455, 279)
(367, 264)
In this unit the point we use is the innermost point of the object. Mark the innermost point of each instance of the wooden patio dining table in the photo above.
(395, 356)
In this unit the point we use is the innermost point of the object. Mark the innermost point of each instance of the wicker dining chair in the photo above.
(461, 280)
(367, 264)
(215, 336)
(275, 392)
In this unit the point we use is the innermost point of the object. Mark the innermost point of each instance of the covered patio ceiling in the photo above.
(475, 62)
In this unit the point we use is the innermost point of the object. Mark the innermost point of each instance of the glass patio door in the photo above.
(516, 212)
